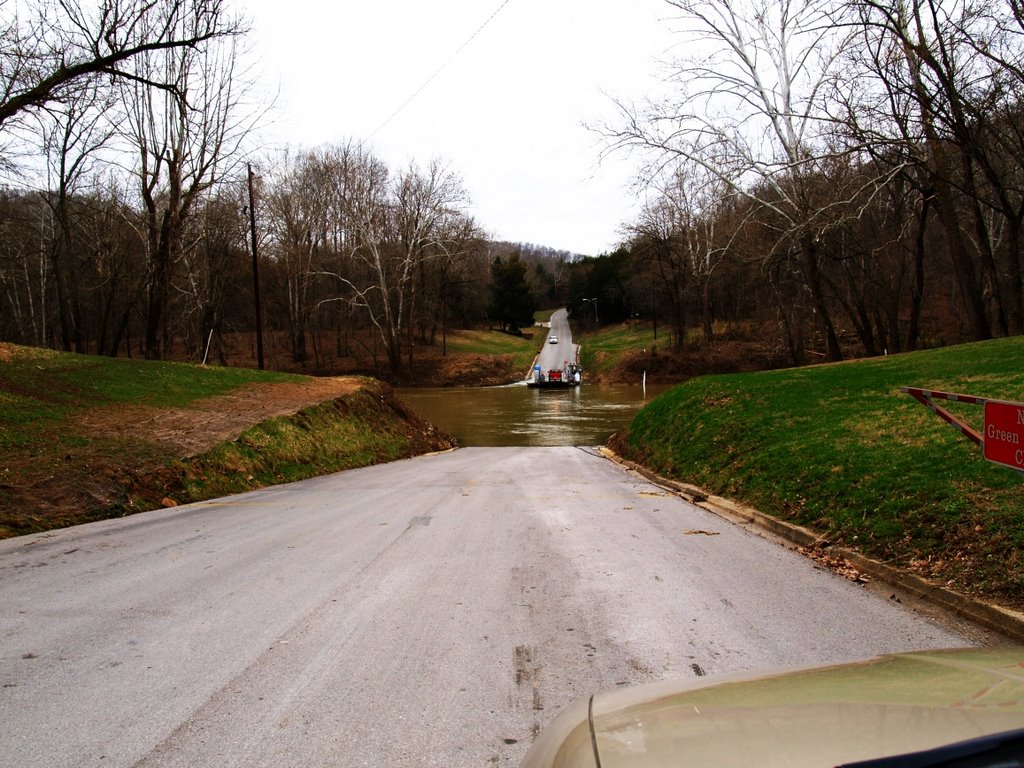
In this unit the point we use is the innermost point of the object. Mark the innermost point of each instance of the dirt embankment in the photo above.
(671, 366)
(207, 422)
(133, 458)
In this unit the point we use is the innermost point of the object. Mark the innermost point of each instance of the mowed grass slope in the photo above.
(41, 386)
(492, 342)
(604, 348)
(61, 463)
(840, 449)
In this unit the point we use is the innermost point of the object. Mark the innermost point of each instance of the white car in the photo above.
(552, 339)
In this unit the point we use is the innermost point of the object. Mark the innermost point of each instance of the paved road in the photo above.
(557, 355)
(432, 612)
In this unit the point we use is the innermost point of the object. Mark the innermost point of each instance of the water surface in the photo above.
(519, 416)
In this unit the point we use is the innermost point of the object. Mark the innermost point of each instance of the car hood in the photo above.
(820, 717)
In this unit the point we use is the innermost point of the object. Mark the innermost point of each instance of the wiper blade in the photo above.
(1000, 750)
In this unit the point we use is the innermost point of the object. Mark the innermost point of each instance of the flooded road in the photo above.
(517, 416)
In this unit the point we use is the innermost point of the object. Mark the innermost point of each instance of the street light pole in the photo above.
(594, 302)
(255, 274)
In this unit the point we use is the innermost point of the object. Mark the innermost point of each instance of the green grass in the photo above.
(40, 389)
(840, 449)
(40, 385)
(54, 473)
(543, 315)
(367, 427)
(603, 348)
(490, 342)
(607, 347)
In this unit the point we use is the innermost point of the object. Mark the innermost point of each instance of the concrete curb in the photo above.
(994, 617)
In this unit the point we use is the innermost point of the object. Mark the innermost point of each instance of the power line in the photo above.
(438, 71)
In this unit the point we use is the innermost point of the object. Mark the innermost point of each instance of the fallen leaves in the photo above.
(834, 563)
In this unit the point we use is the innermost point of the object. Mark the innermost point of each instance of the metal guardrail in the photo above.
(925, 397)
(1002, 438)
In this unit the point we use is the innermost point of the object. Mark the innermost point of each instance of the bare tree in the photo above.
(428, 220)
(186, 137)
(941, 85)
(74, 131)
(659, 238)
(49, 48)
(23, 269)
(749, 111)
(214, 270)
(459, 251)
(908, 62)
(116, 265)
(390, 230)
(359, 238)
(677, 231)
(299, 209)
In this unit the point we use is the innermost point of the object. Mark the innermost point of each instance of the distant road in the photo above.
(431, 612)
(557, 355)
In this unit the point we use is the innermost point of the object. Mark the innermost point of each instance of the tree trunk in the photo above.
(821, 314)
(942, 192)
(963, 267)
(1014, 283)
(707, 315)
(157, 297)
(917, 288)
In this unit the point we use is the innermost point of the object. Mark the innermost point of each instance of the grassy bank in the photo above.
(624, 352)
(475, 358)
(839, 449)
(605, 351)
(84, 438)
(495, 343)
(367, 427)
(40, 388)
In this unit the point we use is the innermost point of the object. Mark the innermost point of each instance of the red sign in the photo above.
(1004, 433)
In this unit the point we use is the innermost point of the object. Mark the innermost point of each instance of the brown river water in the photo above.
(516, 415)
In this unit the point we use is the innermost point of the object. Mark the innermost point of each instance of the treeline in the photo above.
(134, 222)
(121, 124)
(354, 259)
(853, 172)
(883, 285)
(840, 178)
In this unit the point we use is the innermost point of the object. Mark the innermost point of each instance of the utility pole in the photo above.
(255, 274)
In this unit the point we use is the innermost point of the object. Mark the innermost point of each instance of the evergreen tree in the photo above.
(512, 301)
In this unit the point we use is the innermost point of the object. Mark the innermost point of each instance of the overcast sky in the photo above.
(507, 112)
